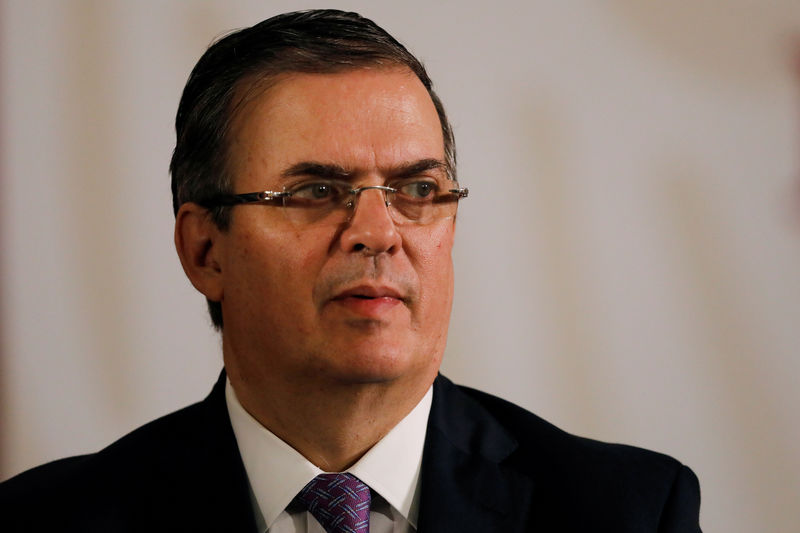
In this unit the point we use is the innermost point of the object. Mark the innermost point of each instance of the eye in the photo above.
(318, 190)
(418, 189)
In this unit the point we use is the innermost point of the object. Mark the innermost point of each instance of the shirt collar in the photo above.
(277, 472)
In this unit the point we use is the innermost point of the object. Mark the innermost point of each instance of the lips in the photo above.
(373, 302)
(368, 292)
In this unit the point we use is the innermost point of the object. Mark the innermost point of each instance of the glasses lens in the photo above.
(317, 202)
(422, 201)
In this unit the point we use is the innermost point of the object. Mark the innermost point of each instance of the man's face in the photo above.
(363, 301)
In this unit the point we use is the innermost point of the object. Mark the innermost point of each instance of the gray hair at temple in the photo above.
(321, 41)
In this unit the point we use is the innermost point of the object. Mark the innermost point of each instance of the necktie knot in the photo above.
(340, 502)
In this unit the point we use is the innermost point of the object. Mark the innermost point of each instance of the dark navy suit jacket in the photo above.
(488, 466)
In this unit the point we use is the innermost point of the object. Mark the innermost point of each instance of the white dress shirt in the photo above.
(277, 472)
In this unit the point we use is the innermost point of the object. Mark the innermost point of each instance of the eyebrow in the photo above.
(408, 170)
(317, 170)
(338, 172)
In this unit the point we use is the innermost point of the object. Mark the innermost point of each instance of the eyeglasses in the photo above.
(324, 201)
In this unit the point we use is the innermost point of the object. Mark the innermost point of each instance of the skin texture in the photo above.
(326, 371)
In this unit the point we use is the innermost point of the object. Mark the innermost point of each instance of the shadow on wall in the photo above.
(91, 184)
(560, 263)
(728, 342)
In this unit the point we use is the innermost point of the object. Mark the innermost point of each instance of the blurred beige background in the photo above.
(628, 262)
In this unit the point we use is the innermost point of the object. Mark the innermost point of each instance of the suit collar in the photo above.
(467, 484)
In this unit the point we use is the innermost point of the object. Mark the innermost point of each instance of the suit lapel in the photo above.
(217, 489)
(465, 485)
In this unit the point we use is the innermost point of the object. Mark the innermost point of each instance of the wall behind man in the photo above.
(627, 263)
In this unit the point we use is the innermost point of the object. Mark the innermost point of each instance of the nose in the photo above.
(371, 229)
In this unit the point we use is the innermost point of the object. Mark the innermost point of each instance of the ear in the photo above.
(198, 242)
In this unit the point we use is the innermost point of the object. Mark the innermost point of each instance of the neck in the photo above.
(331, 424)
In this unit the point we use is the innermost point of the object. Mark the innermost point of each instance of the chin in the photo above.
(367, 366)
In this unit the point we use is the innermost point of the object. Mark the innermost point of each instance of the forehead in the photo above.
(363, 120)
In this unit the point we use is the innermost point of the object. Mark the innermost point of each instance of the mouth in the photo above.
(370, 293)
(369, 301)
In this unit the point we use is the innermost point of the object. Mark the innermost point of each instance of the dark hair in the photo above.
(315, 41)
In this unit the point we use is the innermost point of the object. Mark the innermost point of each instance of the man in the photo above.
(315, 197)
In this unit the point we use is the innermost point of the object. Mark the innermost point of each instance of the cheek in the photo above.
(435, 269)
(288, 262)
(435, 250)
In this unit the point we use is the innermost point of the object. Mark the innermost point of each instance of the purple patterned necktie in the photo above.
(340, 502)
